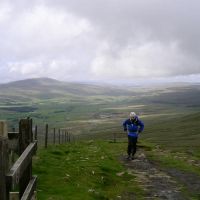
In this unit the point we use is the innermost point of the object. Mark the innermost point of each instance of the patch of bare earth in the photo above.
(158, 183)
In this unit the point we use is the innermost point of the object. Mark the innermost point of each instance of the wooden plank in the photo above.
(13, 135)
(3, 167)
(25, 134)
(29, 192)
(36, 131)
(25, 179)
(13, 141)
(3, 129)
(21, 164)
(34, 197)
(14, 196)
(25, 138)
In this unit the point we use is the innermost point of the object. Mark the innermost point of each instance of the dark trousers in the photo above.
(132, 141)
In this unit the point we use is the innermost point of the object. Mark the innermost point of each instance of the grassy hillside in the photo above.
(95, 169)
(84, 170)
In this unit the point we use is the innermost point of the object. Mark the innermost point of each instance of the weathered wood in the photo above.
(14, 196)
(65, 136)
(13, 140)
(29, 192)
(25, 134)
(46, 135)
(25, 178)
(3, 129)
(36, 130)
(62, 136)
(13, 135)
(30, 130)
(59, 135)
(4, 161)
(25, 138)
(21, 164)
(34, 197)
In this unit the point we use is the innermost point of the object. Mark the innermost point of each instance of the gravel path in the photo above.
(157, 183)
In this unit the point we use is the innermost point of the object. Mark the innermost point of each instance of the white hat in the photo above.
(132, 114)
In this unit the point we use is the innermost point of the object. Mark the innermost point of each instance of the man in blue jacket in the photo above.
(133, 126)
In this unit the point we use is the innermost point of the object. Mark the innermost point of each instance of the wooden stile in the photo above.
(20, 174)
(18, 169)
(4, 161)
(29, 192)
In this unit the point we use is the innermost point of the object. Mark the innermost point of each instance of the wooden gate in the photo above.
(16, 181)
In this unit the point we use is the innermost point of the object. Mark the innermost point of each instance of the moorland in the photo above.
(92, 113)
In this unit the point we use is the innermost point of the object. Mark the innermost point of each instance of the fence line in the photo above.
(17, 175)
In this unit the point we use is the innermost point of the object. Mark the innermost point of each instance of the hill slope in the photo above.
(46, 88)
(98, 170)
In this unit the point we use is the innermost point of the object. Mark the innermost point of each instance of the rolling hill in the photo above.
(94, 107)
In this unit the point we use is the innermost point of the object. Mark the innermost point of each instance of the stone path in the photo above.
(157, 183)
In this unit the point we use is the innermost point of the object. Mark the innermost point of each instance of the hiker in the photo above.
(133, 126)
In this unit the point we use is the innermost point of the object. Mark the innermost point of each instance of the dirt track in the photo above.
(160, 183)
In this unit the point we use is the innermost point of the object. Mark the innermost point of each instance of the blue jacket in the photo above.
(133, 127)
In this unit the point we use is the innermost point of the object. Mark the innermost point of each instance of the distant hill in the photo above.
(46, 88)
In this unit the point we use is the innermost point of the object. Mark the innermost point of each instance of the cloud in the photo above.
(44, 42)
(148, 60)
(99, 39)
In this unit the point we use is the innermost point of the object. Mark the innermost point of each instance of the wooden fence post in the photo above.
(3, 129)
(46, 135)
(65, 136)
(36, 132)
(59, 135)
(25, 134)
(68, 137)
(25, 138)
(3, 168)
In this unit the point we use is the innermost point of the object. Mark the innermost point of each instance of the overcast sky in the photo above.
(100, 40)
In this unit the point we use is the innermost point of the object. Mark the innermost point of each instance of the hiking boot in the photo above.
(128, 157)
(132, 157)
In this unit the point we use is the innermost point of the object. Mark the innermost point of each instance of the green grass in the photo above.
(83, 170)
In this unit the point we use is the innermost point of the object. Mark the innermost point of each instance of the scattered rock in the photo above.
(157, 183)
